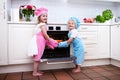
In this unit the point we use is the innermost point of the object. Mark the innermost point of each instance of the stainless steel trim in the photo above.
(60, 62)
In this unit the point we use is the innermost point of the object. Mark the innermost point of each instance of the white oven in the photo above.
(59, 57)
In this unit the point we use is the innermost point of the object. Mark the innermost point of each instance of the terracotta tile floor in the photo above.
(105, 72)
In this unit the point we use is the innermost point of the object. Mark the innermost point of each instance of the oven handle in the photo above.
(60, 62)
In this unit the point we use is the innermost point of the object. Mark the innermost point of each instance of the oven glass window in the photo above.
(57, 52)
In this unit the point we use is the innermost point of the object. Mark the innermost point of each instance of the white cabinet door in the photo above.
(104, 41)
(19, 38)
(3, 34)
(115, 42)
(110, 0)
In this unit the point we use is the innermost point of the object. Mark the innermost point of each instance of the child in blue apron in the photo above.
(75, 40)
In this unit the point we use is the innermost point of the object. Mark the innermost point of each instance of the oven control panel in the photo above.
(57, 28)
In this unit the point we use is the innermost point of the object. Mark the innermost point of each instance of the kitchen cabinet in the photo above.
(110, 0)
(3, 33)
(115, 42)
(94, 1)
(98, 0)
(96, 40)
(19, 38)
(104, 41)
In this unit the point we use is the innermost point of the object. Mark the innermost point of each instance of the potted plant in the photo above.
(27, 11)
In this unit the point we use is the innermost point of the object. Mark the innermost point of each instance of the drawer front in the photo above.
(89, 37)
(88, 28)
(90, 51)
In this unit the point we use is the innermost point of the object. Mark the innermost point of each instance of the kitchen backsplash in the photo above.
(61, 10)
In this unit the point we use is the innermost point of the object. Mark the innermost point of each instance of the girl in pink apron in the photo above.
(40, 40)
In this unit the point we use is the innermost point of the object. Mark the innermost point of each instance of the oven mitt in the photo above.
(49, 45)
(52, 43)
(63, 44)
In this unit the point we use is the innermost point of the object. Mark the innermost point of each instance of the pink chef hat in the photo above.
(40, 11)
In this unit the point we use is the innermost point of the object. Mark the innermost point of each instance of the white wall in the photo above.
(61, 10)
(118, 10)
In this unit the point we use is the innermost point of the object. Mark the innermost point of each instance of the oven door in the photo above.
(58, 55)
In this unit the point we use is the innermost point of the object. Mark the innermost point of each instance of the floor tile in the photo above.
(115, 77)
(31, 79)
(93, 75)
(100, 78)
(109, 67)
(62, 75)
(2, 76)
(82, 79)
(28, 75)
(87, 70)
(14, 76)
(117, 72)
(47, 76)
(97, 69)
(77, 76)
(107, 74)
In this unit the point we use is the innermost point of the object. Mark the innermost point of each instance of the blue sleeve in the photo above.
(63, 44)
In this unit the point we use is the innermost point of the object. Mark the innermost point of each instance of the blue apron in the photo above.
(78, 50)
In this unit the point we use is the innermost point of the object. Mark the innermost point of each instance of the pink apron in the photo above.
(41, 46)
(41, 43)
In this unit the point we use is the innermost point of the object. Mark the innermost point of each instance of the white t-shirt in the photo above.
(32, 47)
(37, 28)
(74, 33)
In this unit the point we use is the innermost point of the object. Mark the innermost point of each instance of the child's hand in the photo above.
(63, 44)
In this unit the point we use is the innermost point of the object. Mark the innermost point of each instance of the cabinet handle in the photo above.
(4, 9)
(84, 28)
(84, 38)
(118, 26)
(90, 43)
(60, 62)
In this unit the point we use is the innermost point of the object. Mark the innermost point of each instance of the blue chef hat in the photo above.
(76, 21)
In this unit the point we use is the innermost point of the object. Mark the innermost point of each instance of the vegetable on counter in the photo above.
(106, 15)
(88, 20)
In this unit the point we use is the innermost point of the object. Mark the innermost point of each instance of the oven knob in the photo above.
(50, 27)
(58, 28)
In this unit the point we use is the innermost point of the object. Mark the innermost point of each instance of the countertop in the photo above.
(94, 24)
